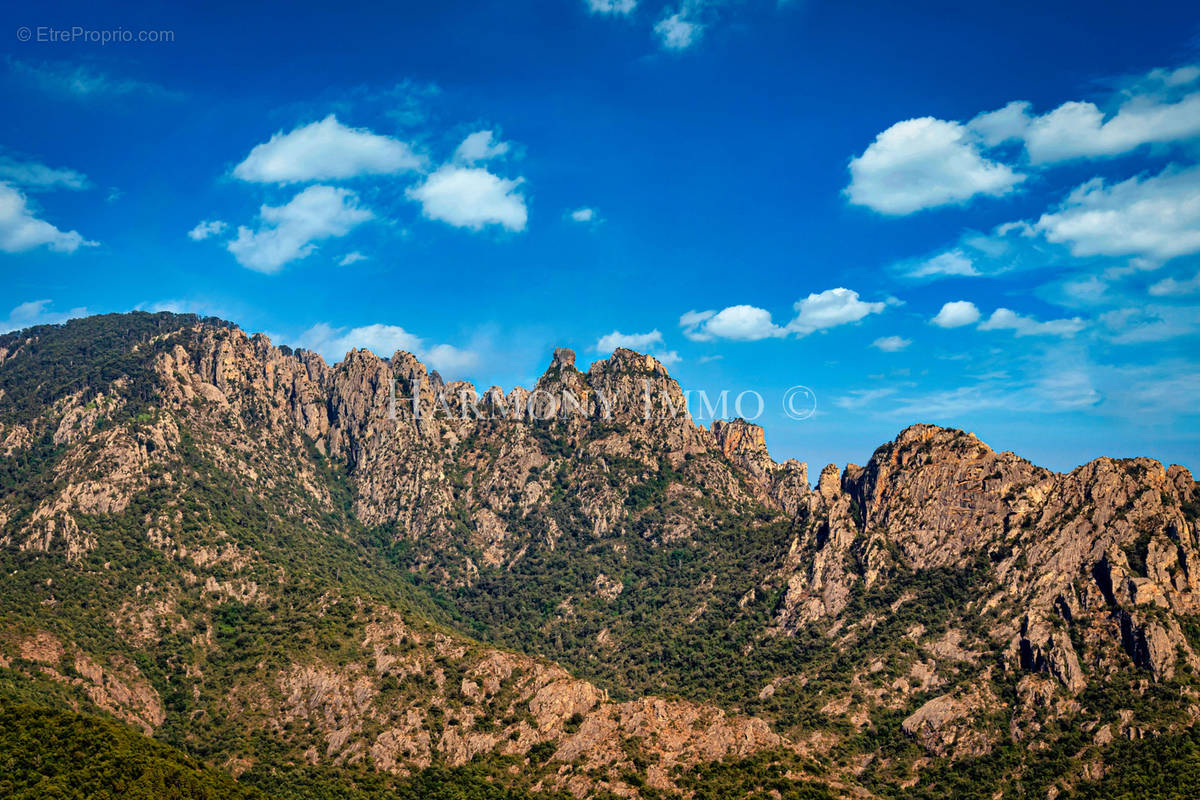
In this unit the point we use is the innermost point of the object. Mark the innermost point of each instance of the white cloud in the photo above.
(384, 340)
(1002, 125)
(891, 344)
(1005, 319)
(746, 323)
(951, 262)
(20, 230)
(35, 312)
(471, 197)
(1156, 217)
(584, 215)
(651, 343)
(34, 176)
(351, 258)
(677, 32)
(326, 150)
(1077, 130)
(955, 314)
(691, 323)
(206, 229)
(290, 232)
(1169, 287)
(924, 163)
(830, 308)
(633, 341)
(740, 323)
(479, 146)
(615, 7)
(1160, 106)
(201, 308)
(667, 357)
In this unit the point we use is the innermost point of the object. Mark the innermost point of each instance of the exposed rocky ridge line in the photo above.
(252, 412)
(1066, 582)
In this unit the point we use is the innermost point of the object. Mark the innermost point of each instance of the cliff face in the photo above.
(206, 490)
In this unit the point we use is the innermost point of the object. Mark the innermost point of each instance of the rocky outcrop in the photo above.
(947, 725)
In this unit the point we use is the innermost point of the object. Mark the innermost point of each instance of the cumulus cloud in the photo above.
(290, 232)
(34, 176)
(924, 163)
(1162, 106)
(1003, 124)
(384, 340)
(471, 197)
(1157, 217)
(615, 7)
(1005, 319)
(677, 32)
(326, 150)
(37, 312)
(351, 258)
(745, 323)
(739, 323)
(891, 344)
(480, 146)
(956, 313)
(206, 229)
(830, 308)
(584, 215)
(21, 229)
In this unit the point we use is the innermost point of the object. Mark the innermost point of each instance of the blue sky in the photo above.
(925, 212)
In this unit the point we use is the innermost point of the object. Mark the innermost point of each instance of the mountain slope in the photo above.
(281, 566)
(186, 559)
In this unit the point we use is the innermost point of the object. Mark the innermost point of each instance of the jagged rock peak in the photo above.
(564, 358)
(624, 359)
(739, 438)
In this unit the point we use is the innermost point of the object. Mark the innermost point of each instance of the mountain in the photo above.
(360, 580)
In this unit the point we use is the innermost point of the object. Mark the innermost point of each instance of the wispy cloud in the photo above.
(891, 344)
(84, 81)
(37, 312)
(35, 176)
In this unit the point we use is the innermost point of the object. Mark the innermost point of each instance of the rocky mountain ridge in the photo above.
(944, 597)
